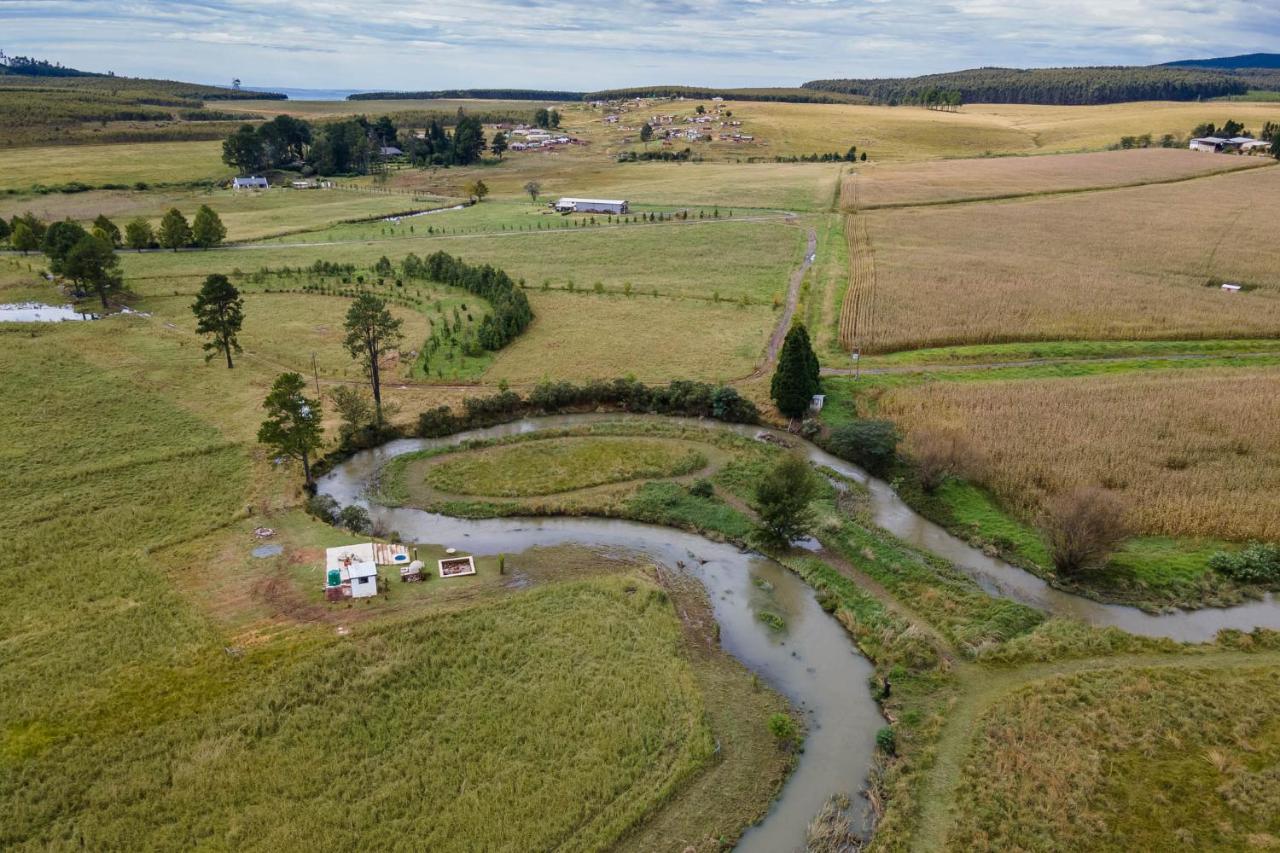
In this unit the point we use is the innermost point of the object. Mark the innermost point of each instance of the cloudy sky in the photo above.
(588, 44)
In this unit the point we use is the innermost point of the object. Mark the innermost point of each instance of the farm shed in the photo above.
(350, 571)
(592, 205)
(1257, 146)
(253, 182)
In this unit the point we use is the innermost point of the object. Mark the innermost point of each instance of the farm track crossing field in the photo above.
(945, 181)
(1195, 453)
(1117, 264)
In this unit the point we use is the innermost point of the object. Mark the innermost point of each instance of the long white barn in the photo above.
(592, 205)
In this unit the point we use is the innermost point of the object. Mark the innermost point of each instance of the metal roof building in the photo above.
(592, 205)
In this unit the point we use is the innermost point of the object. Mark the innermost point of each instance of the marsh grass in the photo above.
(561, 465)
(1129, 760)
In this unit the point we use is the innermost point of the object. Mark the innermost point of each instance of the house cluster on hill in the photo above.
(536, 138)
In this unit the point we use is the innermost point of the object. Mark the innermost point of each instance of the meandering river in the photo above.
(812, 661)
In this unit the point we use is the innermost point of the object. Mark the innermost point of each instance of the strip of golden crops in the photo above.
(1196, 453)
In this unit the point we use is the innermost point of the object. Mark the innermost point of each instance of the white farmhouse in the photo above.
(253, 182)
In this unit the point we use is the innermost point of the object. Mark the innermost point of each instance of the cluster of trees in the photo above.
(275, 144)
(511, 311)
(1104, 85)
(204, 231)
(462, 147)
(682, 397)
(350, 146)
(1229, 129)
(1146, 140)
(87, 259)
(850, 156)
(546, 119)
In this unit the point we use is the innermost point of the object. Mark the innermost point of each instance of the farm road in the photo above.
(789, 310)
(1037, 362)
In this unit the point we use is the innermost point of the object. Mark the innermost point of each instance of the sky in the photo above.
(593, 44)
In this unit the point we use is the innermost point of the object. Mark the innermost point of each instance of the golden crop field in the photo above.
(1117, 264)
(150, 162)
(1193, 453)
(995, 177)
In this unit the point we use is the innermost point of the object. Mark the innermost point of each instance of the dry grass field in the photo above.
(313, 110)
(1117, 264)
(247, 215)
(585, 336)
(1192, 452)
(152, 162)
(956, 180)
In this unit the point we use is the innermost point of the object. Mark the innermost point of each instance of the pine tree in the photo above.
(219, 312)
(795, 380)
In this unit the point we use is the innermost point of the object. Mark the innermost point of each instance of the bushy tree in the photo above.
(477, 190)
(533, 188)
(5, 230)
(245, 150)
(174, 230)
(782, 500)
(107, 230)
(93, 265)
(646, 132)
(219, 311)
(371, 330)
(23, 239)
(355, 410)
(58, 241)
(1083, 526)
(795, 379)
(207, 229)
(870, 443)
(138, 234)
(292, 428)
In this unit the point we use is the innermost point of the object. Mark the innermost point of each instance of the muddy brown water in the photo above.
(812, 661)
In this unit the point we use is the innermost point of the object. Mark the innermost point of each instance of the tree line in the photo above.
(476, 94)
(87, 257)
(1059, 86)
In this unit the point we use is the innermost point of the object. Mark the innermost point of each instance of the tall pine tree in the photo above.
(795, 380)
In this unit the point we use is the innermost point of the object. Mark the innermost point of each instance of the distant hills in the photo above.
(1244, 60)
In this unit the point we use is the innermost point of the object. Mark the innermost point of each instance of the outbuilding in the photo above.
(253, 182)
(592, 205)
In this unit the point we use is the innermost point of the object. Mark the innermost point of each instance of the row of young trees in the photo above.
(511, 313)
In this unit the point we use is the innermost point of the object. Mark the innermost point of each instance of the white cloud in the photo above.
(585, 44)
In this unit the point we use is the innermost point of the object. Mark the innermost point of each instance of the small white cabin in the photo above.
(253, 182)
(1231, 288)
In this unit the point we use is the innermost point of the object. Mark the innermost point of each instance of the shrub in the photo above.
(1082, 526)
(869, 443)
(886, 742)
(782, 727)
(939, 454)
(323, 507)
(355, 519)
(783, 497)
(1255, 564)
(702, 489)
(437, 422)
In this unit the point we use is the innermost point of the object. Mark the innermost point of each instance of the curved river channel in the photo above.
(812, 662)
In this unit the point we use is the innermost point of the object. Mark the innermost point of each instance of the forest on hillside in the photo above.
(1061, 86)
